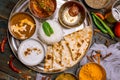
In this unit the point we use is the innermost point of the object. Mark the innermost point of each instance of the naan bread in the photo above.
(57, 48)
(57, 57)
(77, 40)
(66, 55)
(69, 51)
(49, 59)
(53, 58)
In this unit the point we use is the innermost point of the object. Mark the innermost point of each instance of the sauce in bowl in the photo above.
(42, 8)
(22, 25)
(31, 52)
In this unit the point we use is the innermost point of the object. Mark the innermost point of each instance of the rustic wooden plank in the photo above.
(4, 76)
(6, 6)
(4, 57)
(5, 9)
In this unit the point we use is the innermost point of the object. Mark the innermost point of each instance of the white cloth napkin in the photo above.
(43, 77)
(111, 63)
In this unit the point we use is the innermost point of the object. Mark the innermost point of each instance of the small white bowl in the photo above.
(31, 52)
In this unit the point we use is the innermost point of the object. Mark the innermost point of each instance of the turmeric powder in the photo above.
(92, 71)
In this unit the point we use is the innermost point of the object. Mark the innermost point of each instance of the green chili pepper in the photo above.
(106, 27)
(99, 26)
(47, 28)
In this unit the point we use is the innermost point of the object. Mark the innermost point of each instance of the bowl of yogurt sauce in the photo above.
(71, 14)
(31, 52)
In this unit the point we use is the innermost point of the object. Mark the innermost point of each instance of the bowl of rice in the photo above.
(55, 36)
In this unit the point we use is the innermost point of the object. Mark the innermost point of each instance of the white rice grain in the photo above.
(55, 37)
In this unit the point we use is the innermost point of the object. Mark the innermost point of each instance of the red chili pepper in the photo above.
(100, 15)
(2, 47)
(12, 66)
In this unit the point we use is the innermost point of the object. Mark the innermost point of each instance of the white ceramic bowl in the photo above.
(31, 52)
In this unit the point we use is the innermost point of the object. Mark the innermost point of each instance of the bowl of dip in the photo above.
(97, 4)
(71, 14)
(21, 25)
(31, 52)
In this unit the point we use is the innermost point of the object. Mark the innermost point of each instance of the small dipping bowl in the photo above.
(42, 10)
(97, 4)
(92, 70)
(21, 25)
(66, 76)
(66, 19)
(31, 52)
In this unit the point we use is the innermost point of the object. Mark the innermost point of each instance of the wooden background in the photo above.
(5, 72)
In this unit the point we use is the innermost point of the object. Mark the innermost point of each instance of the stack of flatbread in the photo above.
(69, 51)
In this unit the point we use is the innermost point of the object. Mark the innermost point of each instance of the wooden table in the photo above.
(5, 72)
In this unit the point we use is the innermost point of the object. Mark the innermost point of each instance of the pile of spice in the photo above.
(92, 71)
(109, 59)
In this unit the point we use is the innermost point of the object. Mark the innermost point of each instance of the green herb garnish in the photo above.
(47, 29)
